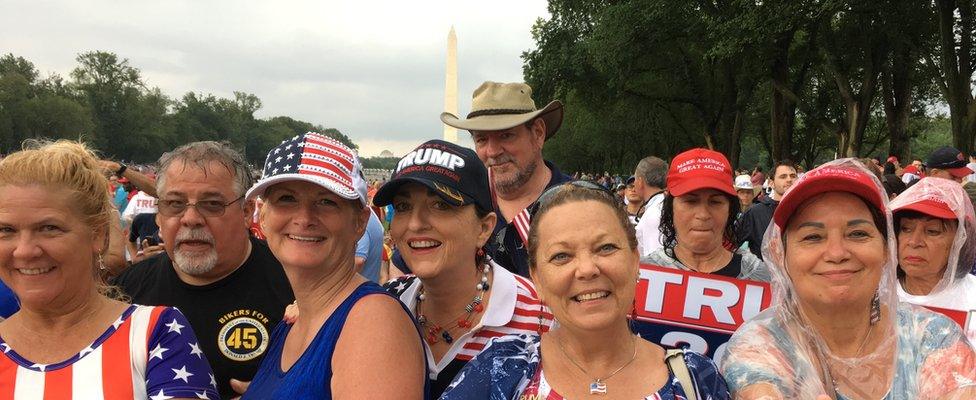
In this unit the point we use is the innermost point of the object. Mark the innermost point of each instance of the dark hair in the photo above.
(781, 163)
(669, 234)
(889, 168)
(893, 184)
(963, 266)
(566, 194)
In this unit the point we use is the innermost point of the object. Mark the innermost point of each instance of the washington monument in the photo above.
(450, 86)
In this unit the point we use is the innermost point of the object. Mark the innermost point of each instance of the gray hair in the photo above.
(202, 153)
(653, 170)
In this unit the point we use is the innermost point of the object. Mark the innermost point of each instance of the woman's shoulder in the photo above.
(373, 300)
(923, 329)
(705, 375)
(401, 284)
(661, 258)
(507, 352)
(753, 268)
(500, 371)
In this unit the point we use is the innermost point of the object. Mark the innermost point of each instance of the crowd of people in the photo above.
(482, 273)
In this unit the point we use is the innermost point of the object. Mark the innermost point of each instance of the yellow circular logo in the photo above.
(242, 339)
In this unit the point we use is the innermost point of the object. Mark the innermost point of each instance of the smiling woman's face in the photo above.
(587, 277)
(834, 252)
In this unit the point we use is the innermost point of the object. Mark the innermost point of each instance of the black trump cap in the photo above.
(452, 172)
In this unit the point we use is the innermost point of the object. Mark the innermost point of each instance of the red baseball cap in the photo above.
(828, 178)
(700, 169)
(960, 172)
(932, 205)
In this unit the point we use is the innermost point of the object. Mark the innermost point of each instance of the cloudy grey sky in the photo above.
(374, 69)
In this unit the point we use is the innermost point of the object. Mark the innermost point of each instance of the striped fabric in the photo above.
(525, 320)
(522, 222)
(513, 308)
(148, 353)
(317, 155)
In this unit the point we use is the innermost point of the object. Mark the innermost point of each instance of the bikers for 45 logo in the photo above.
(242, 336)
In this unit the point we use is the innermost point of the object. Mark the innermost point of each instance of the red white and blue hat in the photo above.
(315, 158)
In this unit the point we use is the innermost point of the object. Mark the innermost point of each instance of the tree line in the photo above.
(106, 103)
(807, 80)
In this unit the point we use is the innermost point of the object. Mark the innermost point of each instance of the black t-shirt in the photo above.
(733, 268)
(144, 227)
(232, 318)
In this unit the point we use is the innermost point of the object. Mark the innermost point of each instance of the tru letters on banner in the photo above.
(677, 308)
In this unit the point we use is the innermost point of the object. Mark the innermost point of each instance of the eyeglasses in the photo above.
(206, 208)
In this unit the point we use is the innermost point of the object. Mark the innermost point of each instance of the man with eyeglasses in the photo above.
(230, 287)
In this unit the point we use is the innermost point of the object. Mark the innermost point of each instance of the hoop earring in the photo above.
(875, 308)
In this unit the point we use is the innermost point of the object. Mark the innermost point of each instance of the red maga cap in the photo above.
(700, 169)
(828, 178)
(932, 205)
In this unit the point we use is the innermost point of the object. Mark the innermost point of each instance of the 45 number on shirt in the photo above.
(243, 339)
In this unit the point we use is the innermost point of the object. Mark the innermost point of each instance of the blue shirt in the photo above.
(310, 377)
(8, 301)
(370, 248)
(121, 199)
(508, 366)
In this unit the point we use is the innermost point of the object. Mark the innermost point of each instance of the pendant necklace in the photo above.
(599, 385)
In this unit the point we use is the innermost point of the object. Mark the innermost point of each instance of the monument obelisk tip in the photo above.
(450, 85)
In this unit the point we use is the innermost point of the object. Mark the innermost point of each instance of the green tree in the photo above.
(125, 112)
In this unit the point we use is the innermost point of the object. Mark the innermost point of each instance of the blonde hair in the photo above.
(69, 165)
(63, 164)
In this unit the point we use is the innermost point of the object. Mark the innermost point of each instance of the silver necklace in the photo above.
(598, 386)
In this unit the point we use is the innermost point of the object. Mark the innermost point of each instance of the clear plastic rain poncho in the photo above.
(780, 355)
(952, 194)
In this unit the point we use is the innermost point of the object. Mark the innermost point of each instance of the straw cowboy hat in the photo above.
(498, 106)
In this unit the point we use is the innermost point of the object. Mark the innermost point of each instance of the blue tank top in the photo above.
(311, 375)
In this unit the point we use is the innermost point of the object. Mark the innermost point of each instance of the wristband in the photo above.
(122, 168)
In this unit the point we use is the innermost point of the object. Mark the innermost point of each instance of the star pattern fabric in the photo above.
(316, 155)
(173, 366)
(180, 370)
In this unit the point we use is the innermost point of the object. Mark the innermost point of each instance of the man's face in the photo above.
(511, 155)
(632, 196)
(783, 179)
(203, 248)
(745, 198)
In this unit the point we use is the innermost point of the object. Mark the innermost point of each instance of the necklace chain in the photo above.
(435, 332)
(598, 386)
